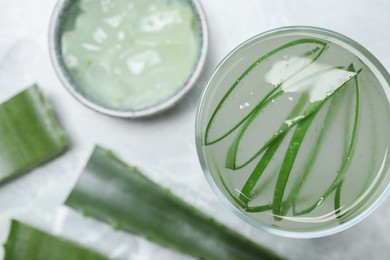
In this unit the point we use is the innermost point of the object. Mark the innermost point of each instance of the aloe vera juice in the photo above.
(294, 131)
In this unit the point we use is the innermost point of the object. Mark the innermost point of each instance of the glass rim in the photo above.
(198, 138)
(72, 88)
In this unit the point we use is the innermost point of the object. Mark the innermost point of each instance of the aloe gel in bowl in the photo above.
(130, 56)
(292, 131)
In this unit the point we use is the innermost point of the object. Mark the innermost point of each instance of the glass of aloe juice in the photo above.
(292, 132)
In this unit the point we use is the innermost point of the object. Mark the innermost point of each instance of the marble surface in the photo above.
(163, 146)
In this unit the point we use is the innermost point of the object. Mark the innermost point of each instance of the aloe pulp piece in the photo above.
(311, 56)
(346, 160)
(111, 191)
(231, 158)
(28, 243)
(29, 133)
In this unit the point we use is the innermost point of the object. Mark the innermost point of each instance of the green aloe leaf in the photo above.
(293, 194)
(241, 154)
(112, 191)
(307, 51)
(267, 156)
(28, 243)
(334, 105)
(278, 206)
(288, 162)
(29, 133)
(337, 182)
(374, 117)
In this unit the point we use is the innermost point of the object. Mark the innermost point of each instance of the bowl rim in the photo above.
(60, 70)
(199, 139)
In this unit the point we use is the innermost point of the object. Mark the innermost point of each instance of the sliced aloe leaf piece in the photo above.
(320, 86)
(267, 156)
(112, 191)
(288, 162)
(337, 200)
(258, 208)
(28, 243)
(29, 133)
(293, 194)
(335, 102)
(283, 66)
(336, 184)
(374, 118)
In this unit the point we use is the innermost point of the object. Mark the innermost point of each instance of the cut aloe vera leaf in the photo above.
(337, 200)
(346, 159)
(334, 105)
(320, 86)
(293, 194)
(374, 118)
(288, 162)
(28, 243)
(258, 208)
(118, 194)
(29, 133)
(268, 155)
(349, 152)
(305, 52)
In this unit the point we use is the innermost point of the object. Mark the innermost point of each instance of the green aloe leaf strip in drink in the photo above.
(346, 160)
(259, 208)
(288, 162)
(29, 133)
(111, 191)
(337, 200)
(291, 154)
(374, 141)
(334, 105)
(349, 152)
(28, 243)
(318, 97)
(308, 52)
(291, 198)
(267, 156)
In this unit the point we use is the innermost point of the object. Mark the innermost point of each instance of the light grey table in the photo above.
(163, 146)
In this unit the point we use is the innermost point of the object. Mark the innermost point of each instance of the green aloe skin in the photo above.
(118, 194)
(28, 243)
(287, 137)
(29, 133)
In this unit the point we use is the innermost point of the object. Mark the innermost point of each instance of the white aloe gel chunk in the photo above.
(368, 173)
(130, 54)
